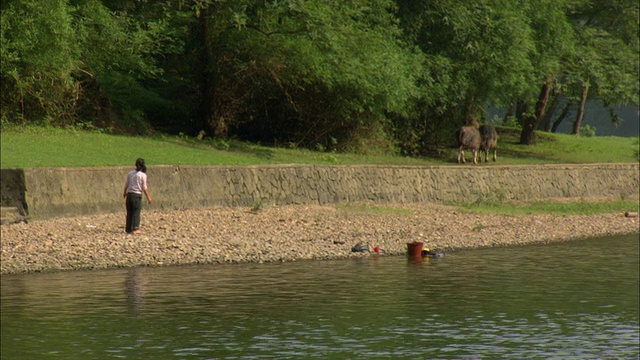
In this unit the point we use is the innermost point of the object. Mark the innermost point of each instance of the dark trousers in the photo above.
(134, 205)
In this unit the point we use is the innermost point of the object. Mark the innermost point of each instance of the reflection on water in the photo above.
(134, 285)
(570, 300)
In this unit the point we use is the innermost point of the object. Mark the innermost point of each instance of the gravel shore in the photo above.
(277, 234)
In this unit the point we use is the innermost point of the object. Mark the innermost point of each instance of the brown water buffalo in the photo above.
(488, 142)
(468, 139)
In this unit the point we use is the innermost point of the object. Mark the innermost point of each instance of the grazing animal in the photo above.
(468, 139)
(488, 142)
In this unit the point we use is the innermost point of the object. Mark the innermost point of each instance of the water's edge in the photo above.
(279, 234)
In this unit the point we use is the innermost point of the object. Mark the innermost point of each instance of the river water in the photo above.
(573, 300)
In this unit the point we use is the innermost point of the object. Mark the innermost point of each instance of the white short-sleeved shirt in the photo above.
(136, 182)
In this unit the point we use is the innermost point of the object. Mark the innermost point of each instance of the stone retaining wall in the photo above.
(12, 190)
(59, 192)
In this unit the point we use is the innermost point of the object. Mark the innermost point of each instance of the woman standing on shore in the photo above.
(136, 185)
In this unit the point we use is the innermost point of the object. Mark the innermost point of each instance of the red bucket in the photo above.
(415, 249)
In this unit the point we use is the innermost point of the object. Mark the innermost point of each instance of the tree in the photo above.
(303, 72)
(553, 38)
(531, 121)
(121, 43)
(606, 60)
(476, 54)
(332, 75)
(601, 64)
(76, 62)
(488, 45)
(36, 77)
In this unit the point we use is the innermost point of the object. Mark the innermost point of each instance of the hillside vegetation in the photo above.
(383, 76)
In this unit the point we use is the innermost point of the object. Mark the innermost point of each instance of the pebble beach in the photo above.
(280, 234)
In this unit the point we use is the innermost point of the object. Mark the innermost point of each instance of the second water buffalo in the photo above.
(488, 141)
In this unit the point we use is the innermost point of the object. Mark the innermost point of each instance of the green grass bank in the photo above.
(51, 147)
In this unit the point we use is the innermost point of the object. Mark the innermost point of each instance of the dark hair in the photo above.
(140, 165)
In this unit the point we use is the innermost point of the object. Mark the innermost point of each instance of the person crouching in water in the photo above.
(135, 186)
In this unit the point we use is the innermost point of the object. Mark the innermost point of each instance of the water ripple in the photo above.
(559, 301)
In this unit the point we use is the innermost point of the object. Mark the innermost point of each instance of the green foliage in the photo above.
(370, 77)
(64, 63)
(125, 41)
(259, 205)
(490, 199)
(604, 54)
(587, 131)
(512, 122)
(488, 47)
(478, 227)
(490, 53)
(120, 54)
(308, 72)
(38, 54)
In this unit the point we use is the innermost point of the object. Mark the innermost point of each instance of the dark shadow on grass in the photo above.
(511, 138)
(222, 145)
(261, 152)
(521, 153)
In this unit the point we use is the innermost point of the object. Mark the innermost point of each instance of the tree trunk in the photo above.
(580, 115)
(472, 112)
(541, 105)
(214, 121)
(206, 76)
(561, 117)
(545, 124)
(521, 109)
(527, 136)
